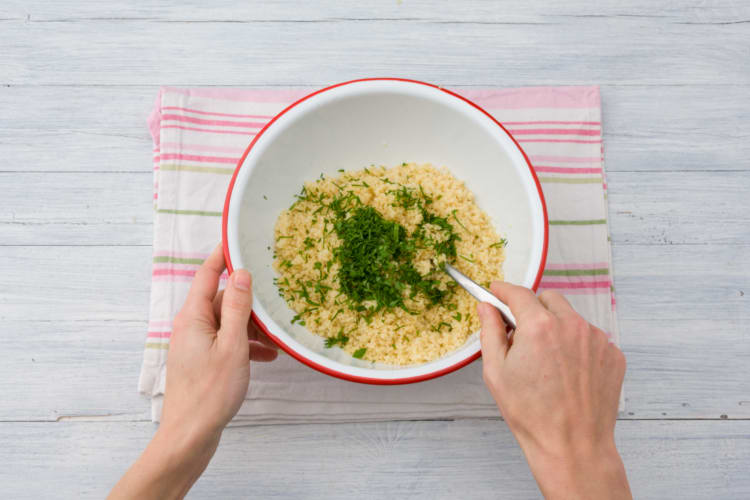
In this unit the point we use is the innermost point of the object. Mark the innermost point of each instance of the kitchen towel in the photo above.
(199, 135)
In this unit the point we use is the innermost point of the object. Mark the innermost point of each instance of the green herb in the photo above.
(457, 317)
(453, 213)
(427, 199)
(337, 313)
(404, 197)
(375, 258)
(341, 170)
(359, 353)
(283, 238)
(467, 259)
(502, 243)
(446, 247)
(339, 339)
(265, 197)
(442, 324)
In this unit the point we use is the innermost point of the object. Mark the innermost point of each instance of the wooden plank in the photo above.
(682, 282)
(584, 50)
(48, 283)
(683, 313)
(676, 369)
(535, 11)
(94, 128)
(683, 208)
(690, 459)
(686, 368)
(76, 209)
(64, 364)
(646, 208)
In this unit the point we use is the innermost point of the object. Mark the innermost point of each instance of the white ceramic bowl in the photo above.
(383, 122)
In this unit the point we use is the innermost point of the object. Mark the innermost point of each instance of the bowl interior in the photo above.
(383, 123)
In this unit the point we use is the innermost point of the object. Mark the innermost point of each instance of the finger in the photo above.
(521, 300)
(493, 336)
(236, 305)
(206, 280)
(259, 352)
(217, 304)
(556, 303)
(601, 333)
(254, 333)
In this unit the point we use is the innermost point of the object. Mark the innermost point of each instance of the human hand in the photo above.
(208, 371)
(212, 342)
(557, 384)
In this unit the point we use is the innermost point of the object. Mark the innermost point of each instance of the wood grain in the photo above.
(79, 78)
(585, 50)
(478, 11)
(683, 314)
(431, 460)
(646, 128)
(116, 208)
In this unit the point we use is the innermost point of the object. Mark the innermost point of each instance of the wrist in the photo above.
(583, 470)
(179, 457)
(184, 446)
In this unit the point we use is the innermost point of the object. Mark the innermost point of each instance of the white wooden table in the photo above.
(78, 79)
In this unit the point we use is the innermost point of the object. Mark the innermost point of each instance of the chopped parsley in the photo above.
(372, 259)
(375, 260)
(359, 353)
(339, 339)
(500, 244)
(442, 324)
(453, 214)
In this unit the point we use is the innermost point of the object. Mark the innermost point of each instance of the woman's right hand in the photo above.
(557, 384)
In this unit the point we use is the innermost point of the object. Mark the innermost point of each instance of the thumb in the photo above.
(236, 306)
(493, 337)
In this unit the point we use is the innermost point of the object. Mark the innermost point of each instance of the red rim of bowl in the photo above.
(325, 369)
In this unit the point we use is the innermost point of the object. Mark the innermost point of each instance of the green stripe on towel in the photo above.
(188, 212)
(177, 260)
(156, 345)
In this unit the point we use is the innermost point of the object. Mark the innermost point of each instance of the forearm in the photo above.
(596, 473)
(168, 467)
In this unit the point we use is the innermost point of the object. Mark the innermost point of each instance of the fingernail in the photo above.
(242, 280)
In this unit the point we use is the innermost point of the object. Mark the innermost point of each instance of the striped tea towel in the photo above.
(199, 134)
